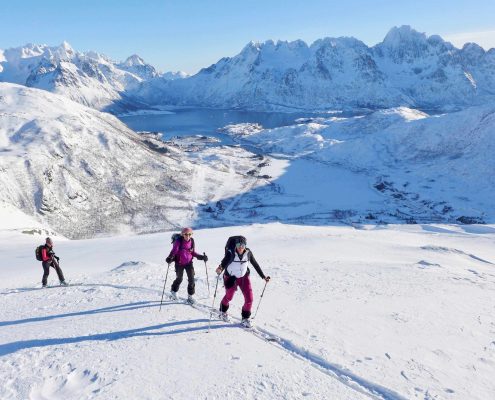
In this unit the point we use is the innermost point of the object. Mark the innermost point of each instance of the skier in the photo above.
(237, 275)
(49, 259)
(182, 253)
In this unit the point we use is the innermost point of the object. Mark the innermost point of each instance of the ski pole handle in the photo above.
(207, 280)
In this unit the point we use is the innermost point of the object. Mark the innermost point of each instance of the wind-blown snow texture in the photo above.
(407, 69)
(378, 313)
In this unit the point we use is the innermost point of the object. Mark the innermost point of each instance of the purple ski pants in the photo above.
(245, 285)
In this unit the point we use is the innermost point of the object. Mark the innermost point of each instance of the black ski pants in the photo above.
(46, 271)
(179, 271)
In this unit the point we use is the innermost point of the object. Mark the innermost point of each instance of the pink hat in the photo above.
(186, 230)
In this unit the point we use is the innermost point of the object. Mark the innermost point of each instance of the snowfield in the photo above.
(397, 312)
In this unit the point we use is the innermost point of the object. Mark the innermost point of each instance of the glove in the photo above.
(205, 257)
(218, 270)
(169, 259)
(267, 279)
(57, 257)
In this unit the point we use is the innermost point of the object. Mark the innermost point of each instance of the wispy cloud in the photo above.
(485, 39)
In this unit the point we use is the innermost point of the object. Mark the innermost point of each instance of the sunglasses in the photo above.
(187, 234)
(240, 245)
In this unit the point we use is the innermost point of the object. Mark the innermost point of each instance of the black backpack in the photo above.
(232, 241)
(37, 252)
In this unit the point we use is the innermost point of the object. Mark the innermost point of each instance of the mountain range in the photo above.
(407, 68)
(88, 78)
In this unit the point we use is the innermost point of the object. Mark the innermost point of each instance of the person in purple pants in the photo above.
(235, 265)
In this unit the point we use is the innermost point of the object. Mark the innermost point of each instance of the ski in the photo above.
(251, 329)
(261, 334)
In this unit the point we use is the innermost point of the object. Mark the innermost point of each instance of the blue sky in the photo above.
(190, 34)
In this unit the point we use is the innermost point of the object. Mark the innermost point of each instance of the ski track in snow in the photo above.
(86, 341)
(335, 371)
(455, 251)
(77, 378)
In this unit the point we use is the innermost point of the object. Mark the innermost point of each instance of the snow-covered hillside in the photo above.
(407, 69)
(82, 172)
(88, 78)
(389, 166)
(398, 312)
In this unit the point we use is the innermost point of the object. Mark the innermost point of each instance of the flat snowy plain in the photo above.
(396, 312)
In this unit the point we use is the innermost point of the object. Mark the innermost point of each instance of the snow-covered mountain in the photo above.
(407, 69)
(396, 165)
(82, 172)
(89, 78)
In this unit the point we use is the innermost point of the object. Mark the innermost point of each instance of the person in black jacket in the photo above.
(235, 265)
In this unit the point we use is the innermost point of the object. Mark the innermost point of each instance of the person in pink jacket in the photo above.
(182, 253)
(49, 259)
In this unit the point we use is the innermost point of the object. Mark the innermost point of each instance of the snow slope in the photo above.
(402, 312)
(82, 172)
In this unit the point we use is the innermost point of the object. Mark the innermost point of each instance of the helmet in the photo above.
(49, 241)
(186, 230)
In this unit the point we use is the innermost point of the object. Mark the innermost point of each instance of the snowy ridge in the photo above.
(88, 78)
(407, 69)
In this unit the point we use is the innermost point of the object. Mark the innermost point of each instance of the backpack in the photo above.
(37, 252)
(232, 241)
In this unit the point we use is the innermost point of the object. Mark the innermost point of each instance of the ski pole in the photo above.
(164, 284)
(207, 281)
(213, 303)
(261, 298)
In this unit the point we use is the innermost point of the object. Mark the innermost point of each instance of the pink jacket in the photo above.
(183, 252)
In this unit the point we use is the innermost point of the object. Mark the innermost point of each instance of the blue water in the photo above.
(201, 121)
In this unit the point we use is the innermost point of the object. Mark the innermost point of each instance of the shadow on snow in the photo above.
(9, 348)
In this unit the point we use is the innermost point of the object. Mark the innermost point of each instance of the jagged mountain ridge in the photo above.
(88, 78)
(407, 69)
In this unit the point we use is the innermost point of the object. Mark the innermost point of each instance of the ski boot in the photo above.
(173, 295)
(190, 299)
(224, 316)
(246, 323)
